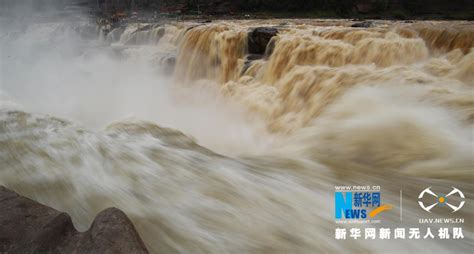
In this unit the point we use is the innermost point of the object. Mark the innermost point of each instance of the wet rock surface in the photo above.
(29, 227)
(249, 60)
(365, 24)
(258, 39)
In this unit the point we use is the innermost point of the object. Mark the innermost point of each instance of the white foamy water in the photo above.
(214, 159)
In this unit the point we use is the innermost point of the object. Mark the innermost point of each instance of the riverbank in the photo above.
(27, 226)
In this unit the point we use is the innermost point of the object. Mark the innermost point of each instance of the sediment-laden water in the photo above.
(210, 152)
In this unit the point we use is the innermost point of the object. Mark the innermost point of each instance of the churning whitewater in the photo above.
(211, 150)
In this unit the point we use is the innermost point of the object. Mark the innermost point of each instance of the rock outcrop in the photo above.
(259, 44)
(258, 39)
(29, 227)
(365, 24)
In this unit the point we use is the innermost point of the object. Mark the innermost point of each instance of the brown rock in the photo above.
(258, 39)
(29, 227)
(364, 24)
(249, 60)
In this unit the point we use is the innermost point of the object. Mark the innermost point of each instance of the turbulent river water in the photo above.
(208, 152)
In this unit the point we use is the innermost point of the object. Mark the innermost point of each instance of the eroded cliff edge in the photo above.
(30, 227)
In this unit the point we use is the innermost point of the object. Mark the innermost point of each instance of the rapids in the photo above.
(220, 154)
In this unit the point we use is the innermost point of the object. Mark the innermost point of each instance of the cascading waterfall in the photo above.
(307, 72)
(222, 154)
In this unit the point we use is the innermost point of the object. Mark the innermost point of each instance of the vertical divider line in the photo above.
(401, 205)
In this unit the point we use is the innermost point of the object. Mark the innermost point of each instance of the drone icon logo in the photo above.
(441, 199)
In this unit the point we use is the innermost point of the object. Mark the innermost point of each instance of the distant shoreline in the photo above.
(467, 16)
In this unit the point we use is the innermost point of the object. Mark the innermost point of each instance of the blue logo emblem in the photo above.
(356, 205)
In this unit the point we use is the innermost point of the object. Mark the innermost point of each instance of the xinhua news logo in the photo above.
(358, 202)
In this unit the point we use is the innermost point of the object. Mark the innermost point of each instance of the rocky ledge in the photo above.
(258, 39)
(29, 227)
